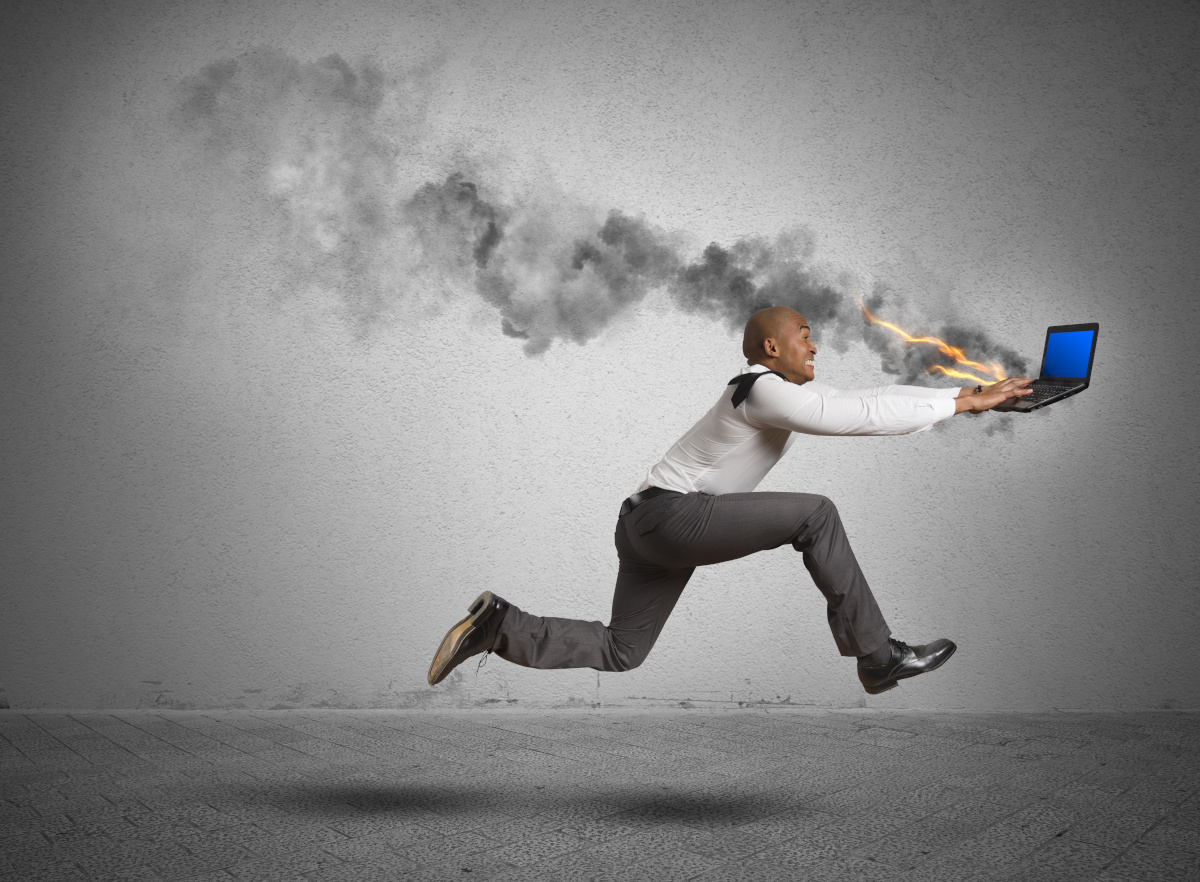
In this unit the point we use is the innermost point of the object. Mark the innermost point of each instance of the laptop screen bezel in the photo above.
(1094, 327)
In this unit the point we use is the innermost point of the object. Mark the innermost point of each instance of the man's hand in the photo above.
(1013, 387)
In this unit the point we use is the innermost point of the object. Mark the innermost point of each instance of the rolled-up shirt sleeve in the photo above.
(816, 409)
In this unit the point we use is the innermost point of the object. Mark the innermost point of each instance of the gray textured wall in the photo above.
(263, 437)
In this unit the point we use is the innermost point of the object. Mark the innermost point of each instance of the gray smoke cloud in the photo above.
(337, 152)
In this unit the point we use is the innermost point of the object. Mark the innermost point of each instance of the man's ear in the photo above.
(770, 348)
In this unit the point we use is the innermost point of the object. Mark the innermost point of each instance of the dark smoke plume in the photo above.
(731, 283)
(337, 152)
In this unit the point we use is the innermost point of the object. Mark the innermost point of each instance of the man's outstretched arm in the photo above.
(812, 409)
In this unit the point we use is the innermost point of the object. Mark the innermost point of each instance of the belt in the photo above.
(638, 498)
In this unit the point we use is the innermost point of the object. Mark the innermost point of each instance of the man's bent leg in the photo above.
(547, 642)
(642, 602)
(702, 529)
(643, 599)
(854, 617)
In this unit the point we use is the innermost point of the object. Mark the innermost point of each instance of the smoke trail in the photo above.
(731, 283)
(325, 146)
(338, 152)
(551, 269)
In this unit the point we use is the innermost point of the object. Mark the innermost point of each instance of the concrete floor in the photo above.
(570, 795)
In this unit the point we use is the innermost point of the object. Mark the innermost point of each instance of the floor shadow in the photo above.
(708, 808)
(654, 806)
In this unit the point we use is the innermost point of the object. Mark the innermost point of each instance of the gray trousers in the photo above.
(662, 541)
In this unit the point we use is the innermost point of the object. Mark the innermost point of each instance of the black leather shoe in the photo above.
(473, 635)
(906, 661)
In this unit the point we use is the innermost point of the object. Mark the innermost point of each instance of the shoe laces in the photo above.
(482, 661)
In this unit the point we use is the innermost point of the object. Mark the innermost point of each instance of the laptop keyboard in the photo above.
(1042, 391)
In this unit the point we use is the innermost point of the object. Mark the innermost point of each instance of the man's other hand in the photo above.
(1013, 387)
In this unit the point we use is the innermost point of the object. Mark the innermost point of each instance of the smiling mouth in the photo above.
(808, 363)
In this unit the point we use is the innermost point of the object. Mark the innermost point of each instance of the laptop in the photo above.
(1066, 367)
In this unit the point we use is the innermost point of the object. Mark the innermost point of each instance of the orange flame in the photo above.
(951, 372)
(960, 358)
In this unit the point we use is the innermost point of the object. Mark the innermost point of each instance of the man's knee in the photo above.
(824, 512)
(820, 517)
(825, 505)
(624, 656)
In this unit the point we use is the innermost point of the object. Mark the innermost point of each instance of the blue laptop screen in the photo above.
(1067, 354)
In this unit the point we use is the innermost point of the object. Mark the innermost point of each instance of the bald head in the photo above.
(778, 338)
(769, 323)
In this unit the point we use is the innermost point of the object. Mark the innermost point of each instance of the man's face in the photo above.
(796, 350)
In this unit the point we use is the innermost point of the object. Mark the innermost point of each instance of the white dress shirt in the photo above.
(731, 450)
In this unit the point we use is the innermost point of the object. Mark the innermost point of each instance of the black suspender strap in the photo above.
(744, 383)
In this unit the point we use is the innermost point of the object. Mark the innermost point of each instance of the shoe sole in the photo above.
(454, 638)
(895, 681)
